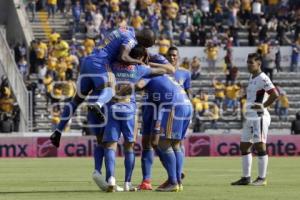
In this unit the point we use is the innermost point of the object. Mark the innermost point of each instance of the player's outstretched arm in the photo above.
(168, 67)
(126, 58)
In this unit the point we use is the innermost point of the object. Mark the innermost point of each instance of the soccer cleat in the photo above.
(55, 138)
(145, 185)
(165, 184)
(129, 188)
(119, 189)
(100, 180)
(96, 108)
(259, 182)
(169, 188)
(242, 181)
(111, 184)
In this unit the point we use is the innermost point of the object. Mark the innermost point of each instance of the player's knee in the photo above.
(110, 145)
(146, 143)
(261, 153)
(176, 145)
(154, 144)
(128, 146)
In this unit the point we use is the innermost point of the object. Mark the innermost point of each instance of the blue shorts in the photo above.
(175, 121)
(150, 116)
(95, 74)
(230, 103)
(121, 118)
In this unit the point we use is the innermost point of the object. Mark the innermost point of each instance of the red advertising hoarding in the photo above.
(195, 145)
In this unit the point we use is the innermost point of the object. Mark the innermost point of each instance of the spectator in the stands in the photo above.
(61, 48)
(42, 71)
(219, 91)
(20, 51)
(256, 10)
(164, 44)
(252, 34)
(41, 51)
(23, 67)
(195, 68)
(137, 21)
(234, 7)
(232, 75)
(61, 69)
(48, 80)
(269, 61)
(212, 52)
(33, 57)
(51, 4)
(283, 107)
(89, 45)
(295, 56)
(53, 37)
(76, 12)
(231, 97)
(6, 100)
(185, 63)
(295, 125)
(202, 36)
(97, 19)
(214, 115)
(31, 5)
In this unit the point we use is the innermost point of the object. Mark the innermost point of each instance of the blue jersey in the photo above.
(183, 77)
(124, 36)
(129, 74)
(157, 58)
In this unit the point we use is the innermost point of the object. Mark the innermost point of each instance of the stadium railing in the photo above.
(9, 67)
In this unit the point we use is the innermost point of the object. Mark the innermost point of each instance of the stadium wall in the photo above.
(195, 145)
(239, 55)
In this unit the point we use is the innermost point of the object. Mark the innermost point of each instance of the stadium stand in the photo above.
(193, 27)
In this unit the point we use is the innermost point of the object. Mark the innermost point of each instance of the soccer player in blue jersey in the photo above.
(122, 117)
(165, 134)
(96, 76)
(182, 75)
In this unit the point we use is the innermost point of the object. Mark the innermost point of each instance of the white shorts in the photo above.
(256, 130)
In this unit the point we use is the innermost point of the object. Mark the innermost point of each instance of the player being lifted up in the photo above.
(261, 93)
(122, 116)
(96, 76)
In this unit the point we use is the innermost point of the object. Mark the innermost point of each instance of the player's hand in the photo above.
(257, 107)
(55, 138)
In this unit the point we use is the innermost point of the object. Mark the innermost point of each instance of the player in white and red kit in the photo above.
(261, 93)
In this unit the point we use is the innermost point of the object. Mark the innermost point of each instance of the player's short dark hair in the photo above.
(146, 37)
(138, 52)
(172, 48)
(254, 56)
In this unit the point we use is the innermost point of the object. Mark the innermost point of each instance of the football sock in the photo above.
(179, 163)
(147, 161)
(262, 166)
(105, 96)
(110, 156)
(129, 164)
(98, 157)
(68, 112)
(170, 162)
(247, 164)
(159, 154)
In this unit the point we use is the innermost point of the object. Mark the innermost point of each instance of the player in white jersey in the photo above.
(261, 93)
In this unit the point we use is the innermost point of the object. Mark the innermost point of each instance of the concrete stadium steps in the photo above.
(42, 27)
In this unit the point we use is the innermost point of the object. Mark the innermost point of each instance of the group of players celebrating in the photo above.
(108, 80)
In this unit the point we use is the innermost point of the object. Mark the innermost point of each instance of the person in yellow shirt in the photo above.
(6, 101)
(214, 114)
(48, 80)
(61, 48)
(172, 9)
(61, 69)
(56, 93)
(283, 107)
(263, 48)
(212, 52)
(164, 45)
(219, 91)
(51, 8)
(232, 92)
(114, 5)
(41, 51)
(53, 37)
(51, 63)
(89, 45)
(69, 89)
(137, 20)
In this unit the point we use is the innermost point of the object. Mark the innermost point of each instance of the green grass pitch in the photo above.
(206, 178)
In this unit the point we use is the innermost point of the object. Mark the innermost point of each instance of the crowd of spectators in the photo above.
(213, 24)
